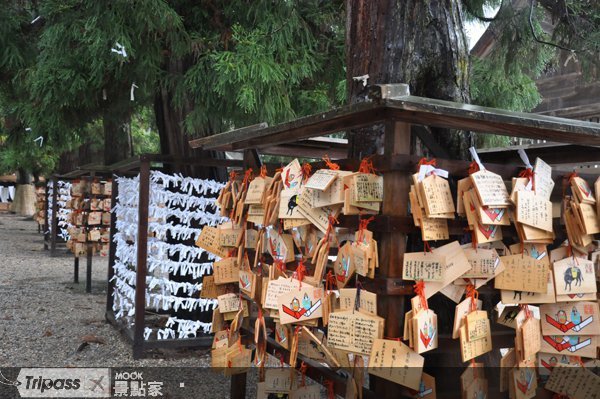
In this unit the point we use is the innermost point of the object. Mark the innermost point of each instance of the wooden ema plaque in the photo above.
(426, 266)
(471, 349)
(522, 273)
(576, 382)
(576, 318)
(543, 179)
(302, 304)
(534, 211)
(490, 189)
(396, 362)
(354, 331)
(574, 276)
(425, 330)
(456, 264)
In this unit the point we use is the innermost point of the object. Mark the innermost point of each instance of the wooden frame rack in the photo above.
(398, 111)
(143, 164)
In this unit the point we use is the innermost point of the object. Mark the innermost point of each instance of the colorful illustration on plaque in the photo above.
(276, 248)
(427, 334)
(488, 230)
(563, 323)
(572, 343)
(583, 186)
(424, 390)
(573, 273)
(509, 317)
(245, 282)
(525, 379)
(289, 180)
(494, 213)
(550, 364)
(297, 310)
(280, 334)
(344, 271)
(534, 253)
(292, 204)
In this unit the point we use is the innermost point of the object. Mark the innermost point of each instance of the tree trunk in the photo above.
(418, 42)
(24, 201)
(116, 123)
(84, 154)
(173, 139)
(421, 43)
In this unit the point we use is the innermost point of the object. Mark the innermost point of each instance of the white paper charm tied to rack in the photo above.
(63, 195)
(171, 196)
(187, 328)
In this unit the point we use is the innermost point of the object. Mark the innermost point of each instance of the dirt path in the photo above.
(43, 315)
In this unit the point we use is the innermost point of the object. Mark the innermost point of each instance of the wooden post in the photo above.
(88, 270)
(396, 186)
(46, 210)
(76, 270)
(88, 245)
(238, 386)
(142, 259)
(53, 232)
(112, 246)
(238, 381)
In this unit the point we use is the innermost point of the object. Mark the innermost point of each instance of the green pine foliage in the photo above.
(77, 76)
(270, 62)
(226, 64)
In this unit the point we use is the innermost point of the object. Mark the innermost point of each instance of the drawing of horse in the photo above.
(573, 273)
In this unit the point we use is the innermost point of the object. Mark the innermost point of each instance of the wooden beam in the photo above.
(348, 117)
(306, 151)
(200, 142)
(411, 109)
(447, 114)
(552, 153)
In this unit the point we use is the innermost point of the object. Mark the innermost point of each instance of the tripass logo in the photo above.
(64, 383)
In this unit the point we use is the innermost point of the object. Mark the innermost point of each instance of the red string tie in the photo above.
(528, 174)
(300, 272)
(419, 288)
(331, 165)
(306, 171)
(362, 226)
(473, 167)
(366, 165)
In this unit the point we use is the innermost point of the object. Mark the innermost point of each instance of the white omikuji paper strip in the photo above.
(475, 157)
(524, 158)
(63, 214)
(170, 196)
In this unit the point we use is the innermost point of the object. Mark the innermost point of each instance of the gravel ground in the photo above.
(44, 315)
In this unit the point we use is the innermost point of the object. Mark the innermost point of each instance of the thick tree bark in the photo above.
(116, 122)
(82, 155)
(419, 42)
(174, 141)
(173, 138)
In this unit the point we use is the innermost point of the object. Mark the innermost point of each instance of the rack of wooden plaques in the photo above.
(394, 228)
(59, 217)
(41, 191)
(89, 229)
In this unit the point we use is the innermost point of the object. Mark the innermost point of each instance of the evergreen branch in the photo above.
(470, 10)
(534, 35)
